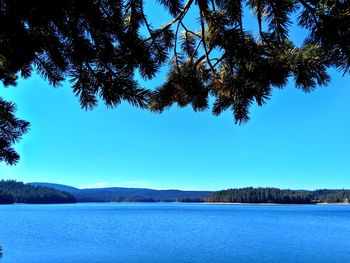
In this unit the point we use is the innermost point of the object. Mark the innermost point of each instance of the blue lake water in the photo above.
(136, 232)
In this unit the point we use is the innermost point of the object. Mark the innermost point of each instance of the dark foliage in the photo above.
(11, 130)
(23, 193)
(275, 195)
(261, 195)
(100, 45)
(332, 196)
(6, 198)
(190, 200)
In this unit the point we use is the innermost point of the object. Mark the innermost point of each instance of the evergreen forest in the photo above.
(17, 192)
(275, 195)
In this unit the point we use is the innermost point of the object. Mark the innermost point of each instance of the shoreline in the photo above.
(271, 204)
(206, 203)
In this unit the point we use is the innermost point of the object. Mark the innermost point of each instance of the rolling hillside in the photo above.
(121, 194)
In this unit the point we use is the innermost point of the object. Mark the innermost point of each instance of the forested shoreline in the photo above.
(279, 196)
(37, 193)
(17, 192)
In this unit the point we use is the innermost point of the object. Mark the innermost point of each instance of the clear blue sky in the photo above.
(297, 140)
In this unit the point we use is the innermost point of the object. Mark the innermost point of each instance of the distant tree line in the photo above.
(103, 199)
(117, 194)
(331, 196)
(17, 192)
(144, 199)
(275, 195)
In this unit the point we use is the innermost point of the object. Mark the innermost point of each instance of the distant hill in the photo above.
(60, 187)
(17, 192)
(122, 194)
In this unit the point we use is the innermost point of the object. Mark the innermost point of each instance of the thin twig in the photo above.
(260, 20)
(175, 46)
(172, 22)
(195, 51)
(150, 31)
(205, 45)
(189, 31)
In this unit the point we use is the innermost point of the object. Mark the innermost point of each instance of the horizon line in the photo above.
(185, 189)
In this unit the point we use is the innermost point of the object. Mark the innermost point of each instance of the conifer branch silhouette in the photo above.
(99, 46)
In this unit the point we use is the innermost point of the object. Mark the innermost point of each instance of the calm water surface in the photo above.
(112, 233)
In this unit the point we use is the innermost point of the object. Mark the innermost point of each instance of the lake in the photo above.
(173, 232)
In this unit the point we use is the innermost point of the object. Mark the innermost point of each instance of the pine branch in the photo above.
(312, 10)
